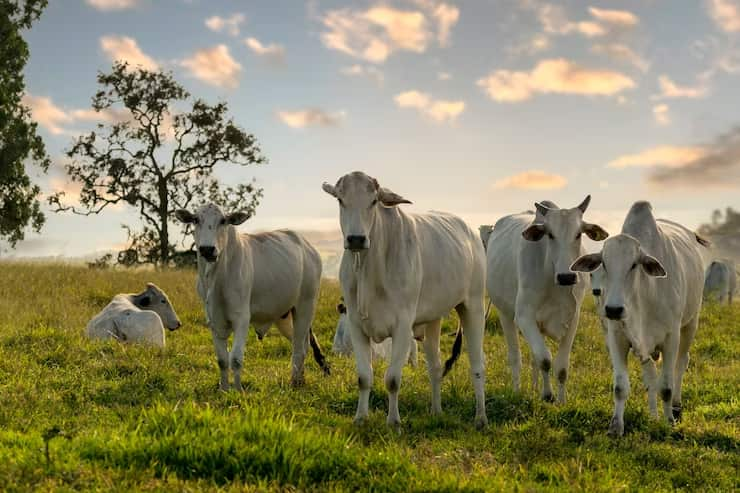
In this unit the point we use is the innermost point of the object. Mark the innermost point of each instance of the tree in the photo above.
(724, 232)
(19, 205)
(155, 158)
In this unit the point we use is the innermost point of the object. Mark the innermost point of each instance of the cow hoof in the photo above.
(238, 387)
(296, 382)
(224, 387)
(394, 424)
(677, 413)
(481, 422)
(616, 428)
(326, 369)
(359, 420)
(548, 397)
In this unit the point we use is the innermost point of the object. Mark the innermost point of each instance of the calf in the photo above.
(720, 281)
(262, 279)
(653, 278)
(135, 318)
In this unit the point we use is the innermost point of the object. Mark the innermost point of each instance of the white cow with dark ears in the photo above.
(652, 289)
(400, 274)
(260, 279)
(533, 288)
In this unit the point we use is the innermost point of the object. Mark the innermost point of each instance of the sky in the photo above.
(476, 107)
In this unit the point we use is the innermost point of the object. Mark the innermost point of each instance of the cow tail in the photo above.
(317, 354)
(456, 349)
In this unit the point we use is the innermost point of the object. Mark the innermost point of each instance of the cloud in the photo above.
(369, 71)
(558, 76)
(669, 90)
(444, 76)
(228, 24)
(660, 112)
(717, 166)
(620, 18)
(376, 33)
(312, 117)
(725, 13)
(439, 111)
(56, 119)
(623, 53)
(531, 180)
(108, 5)
(127, 49)
(274, 52)
(661, 156)
(536, 44)
(214, 66)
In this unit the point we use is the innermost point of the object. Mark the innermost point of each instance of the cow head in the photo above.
(597, 282)
(561, 229)
(619, 261)
(154, 299)
(210, 228)
(359, 197)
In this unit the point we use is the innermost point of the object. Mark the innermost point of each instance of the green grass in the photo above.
(123, 417)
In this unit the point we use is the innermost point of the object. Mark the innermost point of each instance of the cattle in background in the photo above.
(262, 279)
(597, 289)
(720, 281)
(135, 318)
(653, 294)
(533, 288)
(343, 341)
(400, 274)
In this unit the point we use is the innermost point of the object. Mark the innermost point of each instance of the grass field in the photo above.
(120, 418)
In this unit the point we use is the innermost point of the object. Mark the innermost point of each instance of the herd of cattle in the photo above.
(402, 273)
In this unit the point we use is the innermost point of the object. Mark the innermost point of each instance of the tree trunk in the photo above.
(164, 236)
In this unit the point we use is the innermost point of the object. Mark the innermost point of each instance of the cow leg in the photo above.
(618, 349)
(434, 365)
(400, 347)
(562, 357)
(542, 358)
(473, 323)
(220, 345)
(302, 316)
(650, 378)
(241, 329)
(514, 354)
(670, 354)
(363, 359)
(414, 354)
(535, 373)
(687, 337)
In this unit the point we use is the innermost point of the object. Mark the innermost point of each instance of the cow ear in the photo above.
(145, 301)
(584, 205)
(594, 231)
(652, 266)
(542, 209)
(330, 189)
(534, 232)
(185, 216)
(236, 218)
(587, 263)
(390, 199)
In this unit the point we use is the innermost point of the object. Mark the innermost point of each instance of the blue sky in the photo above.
(477, 107)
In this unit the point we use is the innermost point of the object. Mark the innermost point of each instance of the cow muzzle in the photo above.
(614, 312)
(178, 324)
(567, 279)
(356, 243)
(208, 253)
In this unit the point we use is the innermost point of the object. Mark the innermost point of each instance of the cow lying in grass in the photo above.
(135, 318)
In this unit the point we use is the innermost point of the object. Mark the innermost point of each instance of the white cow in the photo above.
(262, 279)
(135, 318)
(653, 293)
(720, 281)
(533, 288)
(343, 341)
(400, 274)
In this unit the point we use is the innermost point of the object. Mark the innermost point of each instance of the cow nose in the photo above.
(356, 242)
(596, 292)
(614, 312)
(208, 253)
(568, 279)
(178, 324)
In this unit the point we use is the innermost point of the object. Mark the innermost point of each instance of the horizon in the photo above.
(475, 109)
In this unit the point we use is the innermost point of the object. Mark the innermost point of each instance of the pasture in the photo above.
(121, 417)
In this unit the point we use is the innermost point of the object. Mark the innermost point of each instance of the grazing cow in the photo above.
(653, 292)
(135, 318)
(400, 274)
(262, 279)
(533, 288)
(720, 281)
(343, 341)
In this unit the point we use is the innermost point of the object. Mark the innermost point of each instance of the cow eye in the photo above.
(164, 301)
(374, 202)
(578, 236)
(549, 235)
(341, 204)
(633, 266)
(196, 221)
(222, 221)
